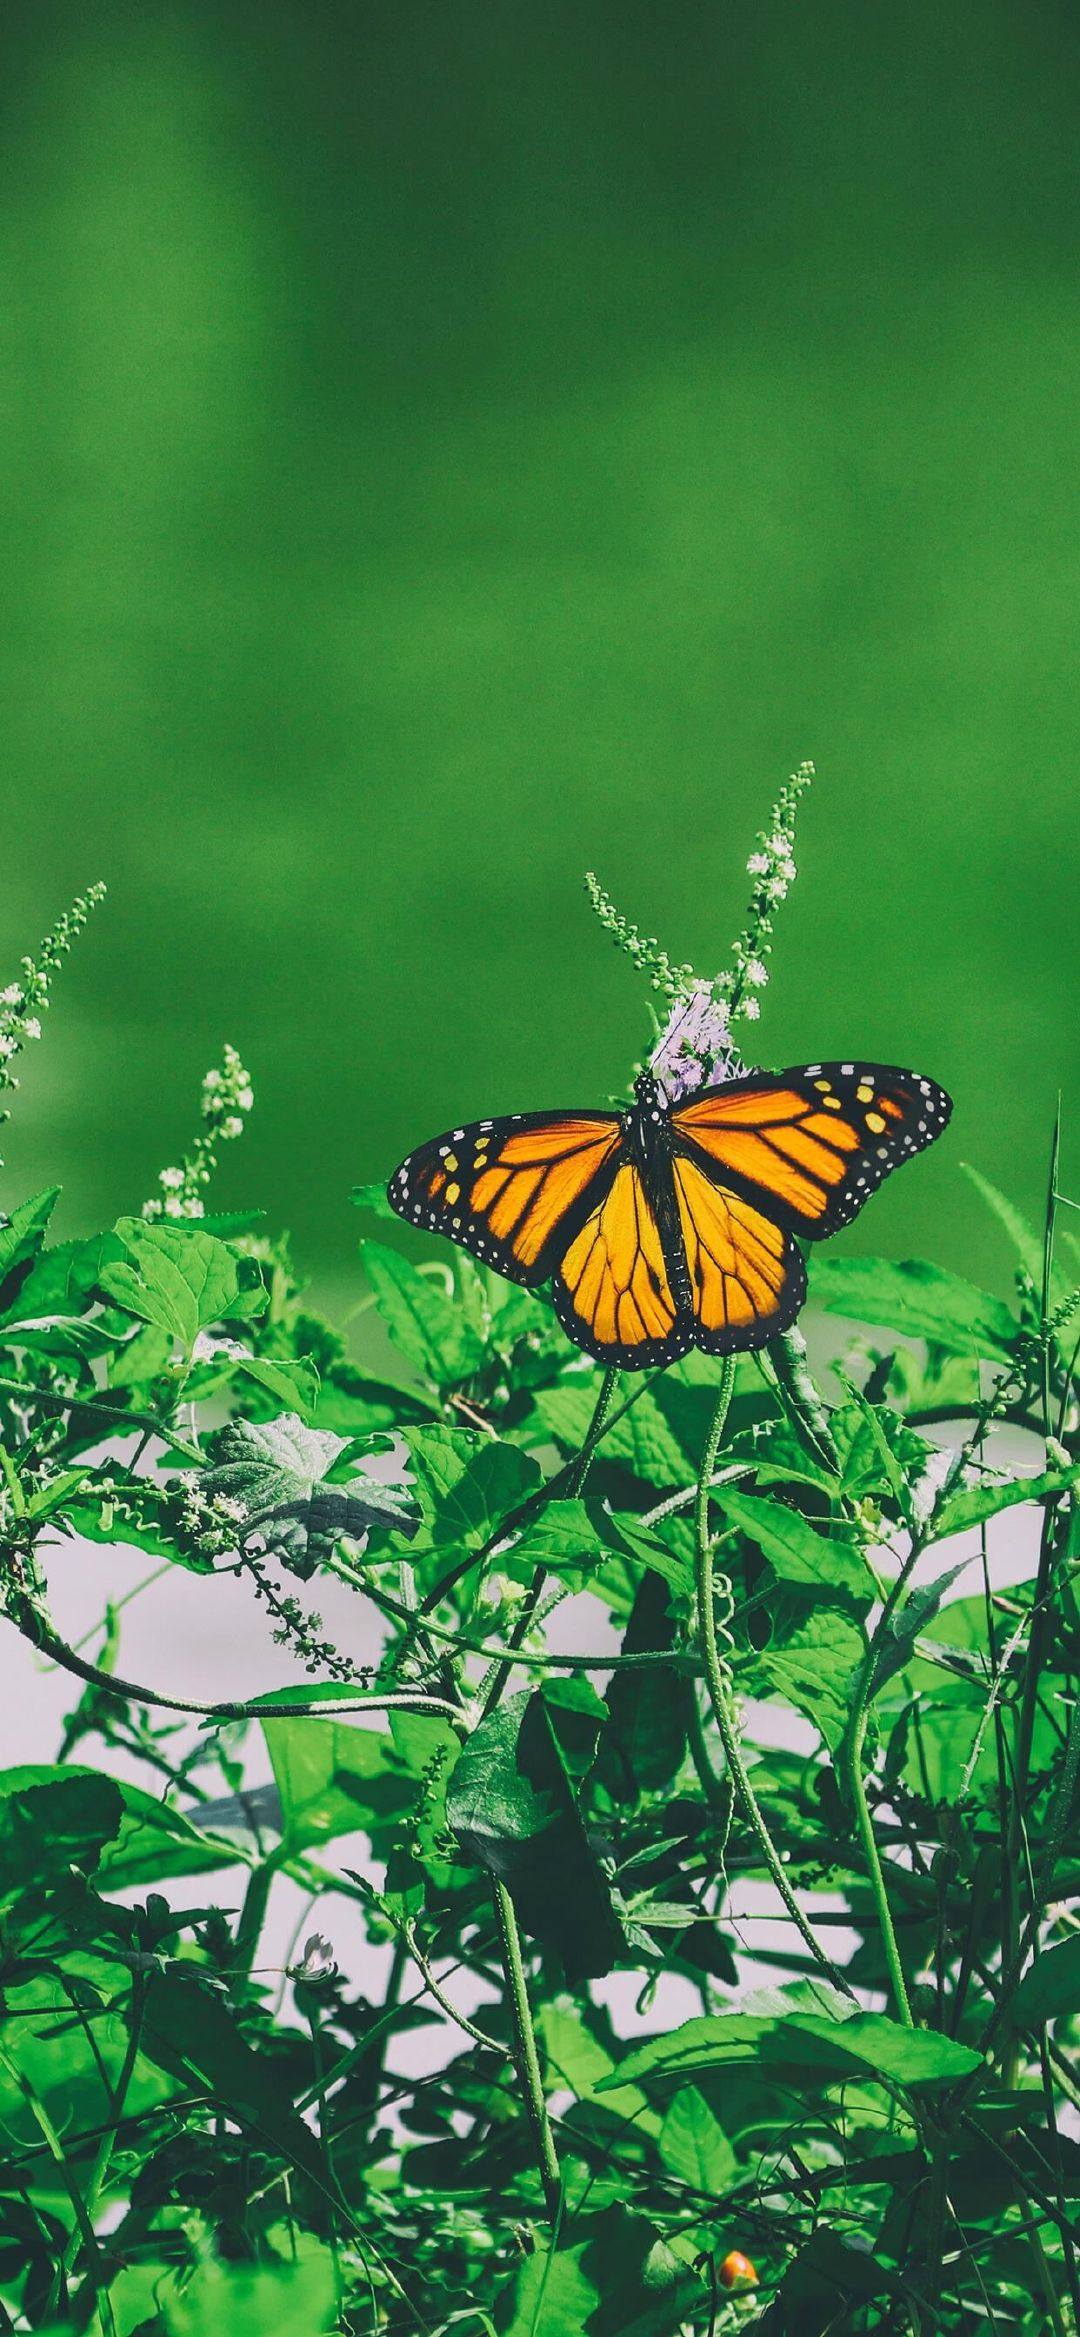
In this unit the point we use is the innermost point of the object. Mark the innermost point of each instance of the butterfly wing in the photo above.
(615, 1292)
(808, 1146)
(747, 1279)
(512, 1191)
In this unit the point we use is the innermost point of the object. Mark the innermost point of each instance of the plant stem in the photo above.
(720, 1694)
(854, 1745)
(578, 1473)
(33, 1625)
(526, 2057)
(59, 2156)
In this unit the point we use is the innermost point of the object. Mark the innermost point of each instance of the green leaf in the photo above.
(422, 1321)
(278, 1474)
(334, 1778)
(803, 2044)
(650, 1707)
(467, 1483)
(614, 2278)
(180, 1281)
(63, 1280)
(922, 1300)
(1050, 1988)
(694, 2146)
(22, 1236)
(248, 2301)
(138, 1839)
(356, 1405)
(52, 1820)
(293, 1383)
(373, 1198)
(896, 1645)
(793, 1547)
(973, 1503)
(511, 1805)
(189, 2030)
(566, 1537)
(642, 1441)
(812, 1662)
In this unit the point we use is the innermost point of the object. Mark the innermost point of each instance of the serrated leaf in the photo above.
(61, 1281)
(694, 2146)
(139, 1840)
(423, 1322)
(613, 2277)
(189, 2030)
(292, 1381)
(913, 1296)
(641, 1441)
(182, 1282)
(334, 1777)
(1050, 1988)
(794, 1548)
(21, 1237)
(278, 1473)
(51, 1820)
(973, 1503)
(805, 2045)
(467, 1483)
(812, 1662)
(511, 1805)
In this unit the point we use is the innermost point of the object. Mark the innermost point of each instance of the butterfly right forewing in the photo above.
(512, 1191)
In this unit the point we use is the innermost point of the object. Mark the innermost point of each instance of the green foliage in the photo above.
(543, 1824)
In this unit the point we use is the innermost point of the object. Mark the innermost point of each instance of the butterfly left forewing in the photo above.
(509, 1190)
(809, 1145)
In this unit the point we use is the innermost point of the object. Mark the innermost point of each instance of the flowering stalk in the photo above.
(697, 1045)
(226, 1100)
(24, 1002)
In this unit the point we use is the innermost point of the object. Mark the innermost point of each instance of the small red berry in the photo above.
(736, 2271)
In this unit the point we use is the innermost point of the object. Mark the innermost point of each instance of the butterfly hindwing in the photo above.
(747, 1279)
(808, 1146)
(616, 1293)
(511, 1190)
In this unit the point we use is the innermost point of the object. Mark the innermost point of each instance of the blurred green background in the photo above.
(447, 447)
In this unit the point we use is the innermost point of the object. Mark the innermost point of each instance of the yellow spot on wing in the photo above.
(865, 1094)
(875, 1123)
(453, 1193)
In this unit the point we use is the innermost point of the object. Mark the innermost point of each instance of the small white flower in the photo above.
(173, 1207)
(171, 1180)
(8, 1046)
(756, 973)
(751, 1009)
(233, 1126)
(212, 1080)
(245, 1099)
(777, 887)
(31, 1027)
(12, 996)
(758, 864)
(317, 1962)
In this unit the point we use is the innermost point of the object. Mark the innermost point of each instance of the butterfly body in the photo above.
(661, 1227)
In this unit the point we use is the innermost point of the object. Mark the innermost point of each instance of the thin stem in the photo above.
(58, 2154)
(119, 2096)
(526, 2057)
(720, 1694)
(854, 1745)
(479, 2036)
(34, 1627)
(575, 1485)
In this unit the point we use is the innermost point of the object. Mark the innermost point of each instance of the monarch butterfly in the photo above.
(663, 1227)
